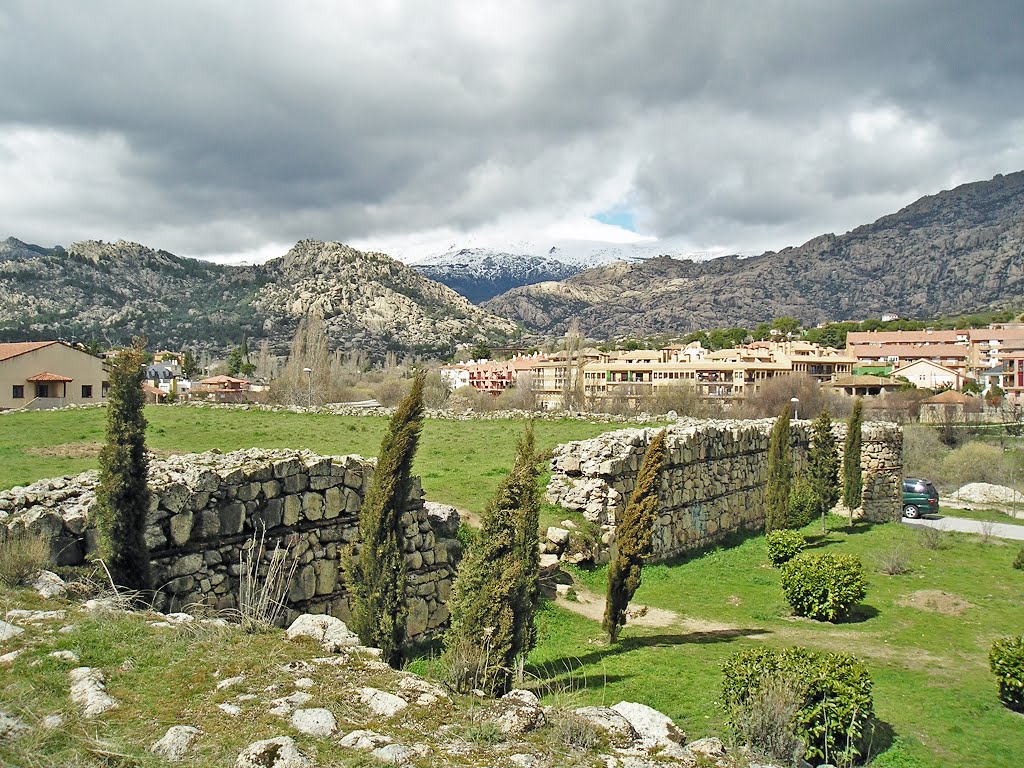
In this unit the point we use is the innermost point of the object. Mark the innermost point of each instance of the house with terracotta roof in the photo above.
(950, 406)
(49, 374)
(223, 389)
(927, 374)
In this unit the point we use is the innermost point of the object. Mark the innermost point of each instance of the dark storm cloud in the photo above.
(218, 127)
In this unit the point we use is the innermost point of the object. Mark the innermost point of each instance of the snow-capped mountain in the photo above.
(480, 273)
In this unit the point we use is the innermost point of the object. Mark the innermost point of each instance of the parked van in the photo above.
(920, 497)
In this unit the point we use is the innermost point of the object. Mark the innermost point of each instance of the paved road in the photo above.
(1000, 530)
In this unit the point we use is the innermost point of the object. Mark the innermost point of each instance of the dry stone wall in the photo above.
(208, 509)
(714, 477)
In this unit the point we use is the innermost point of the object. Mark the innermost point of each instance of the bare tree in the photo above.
(306, 378)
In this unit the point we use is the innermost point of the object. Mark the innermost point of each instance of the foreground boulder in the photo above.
(174, 745)
(332, 633)
(655, 729)
(88, 691)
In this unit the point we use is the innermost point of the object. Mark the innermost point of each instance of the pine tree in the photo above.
(780, 472)
(377, 571)
(852, 480)
(122, 498)
(495, 594)
(633, 539)
(823, 465)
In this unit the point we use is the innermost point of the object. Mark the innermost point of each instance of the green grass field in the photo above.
(461, 462)
(924, 635)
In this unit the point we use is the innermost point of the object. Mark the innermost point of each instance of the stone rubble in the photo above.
(278, 752)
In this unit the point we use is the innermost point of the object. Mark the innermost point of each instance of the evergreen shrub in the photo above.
(1006, 660)
(824, 587)
(802, 506)
(783, 545)
(831, 691)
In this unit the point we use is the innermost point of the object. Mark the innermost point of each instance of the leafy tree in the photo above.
(786, 325)
(377, 570)
(189, 365)
(852, 480)
(480, 351)
(633, 539)
(780, 472)
(496, 595)
(823, 465)
(122, 499)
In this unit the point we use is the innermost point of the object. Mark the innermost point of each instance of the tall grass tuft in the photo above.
(931, 538)
(22, 556)
(265, 578)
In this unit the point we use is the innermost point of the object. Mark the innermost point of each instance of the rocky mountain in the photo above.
(957, 251)
(112, 291)
(481, 273)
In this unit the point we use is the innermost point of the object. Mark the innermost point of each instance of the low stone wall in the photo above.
(207, 510)
(714, 477)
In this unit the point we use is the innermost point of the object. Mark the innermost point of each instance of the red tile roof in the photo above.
(13, 349)
(47, 376)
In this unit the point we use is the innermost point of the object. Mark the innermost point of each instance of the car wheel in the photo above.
(911, 511)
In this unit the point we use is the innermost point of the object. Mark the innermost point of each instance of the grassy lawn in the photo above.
(984, 515)
(928, 662)
(461, 462)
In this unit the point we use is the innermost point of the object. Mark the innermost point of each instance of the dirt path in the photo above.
(591, 605)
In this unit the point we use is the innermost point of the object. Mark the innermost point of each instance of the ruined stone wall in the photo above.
(714, 477)
(207, 508)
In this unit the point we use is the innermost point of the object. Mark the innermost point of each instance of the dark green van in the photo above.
(919, 497)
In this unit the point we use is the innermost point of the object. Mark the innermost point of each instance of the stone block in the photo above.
(418, 619)
(180, 528)
(334, 503)
(271, 489)
(270, 515)
(292, 509)
(326, 572)
(286, 468)
(208, 524)
(248, 491)
(296, 483)
(232, 517)
(185, 565)
(312, 505)
(303, 586)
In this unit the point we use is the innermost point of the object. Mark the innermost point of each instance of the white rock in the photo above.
(988, 493)
(364, 739)
(514, 717)
(11, 727)
(89, 692)
(69, 656)
(230, 709)
(557, 536)
(395, 754)
(562, 590)
(330, 632)
(67, 630)
(711, 746)
(656, 730)
(382, 703)
(48, 584)
(8, 658)
(7, 631)
(609, 721)
(20, 614)
(279, 752)
(227, 682)
(522, 696)
(304, 683)
(420, 692)
(174, 745)
(286, 704)
(315, 722)
(53, 721)
(526, 761)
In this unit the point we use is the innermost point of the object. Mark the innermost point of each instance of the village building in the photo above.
(927, 374)
(949, 406)
(49, 374)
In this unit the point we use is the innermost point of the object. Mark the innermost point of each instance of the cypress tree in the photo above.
(495, 594)
(823, 465)
(527, 597)
(780, 472)
(377, 571)
(633, 539)
(122, 498)
(852, 480)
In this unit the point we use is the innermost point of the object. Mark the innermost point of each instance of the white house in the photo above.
(929, 375)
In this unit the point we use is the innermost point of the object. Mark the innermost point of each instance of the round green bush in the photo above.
(825, 701)
(824, 587)
(802, 506)
(783, 545)
(1006, 660)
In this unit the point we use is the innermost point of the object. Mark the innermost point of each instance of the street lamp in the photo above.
(796, 403)
(309, 390)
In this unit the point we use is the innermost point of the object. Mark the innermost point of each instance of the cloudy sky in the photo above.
(233, 129)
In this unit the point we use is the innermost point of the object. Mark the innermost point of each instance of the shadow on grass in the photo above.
(878, 737)
(642, 642)
(860, 614)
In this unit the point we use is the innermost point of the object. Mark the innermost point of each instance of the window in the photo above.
(18, 391)
(87, 391)
(42, 390)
